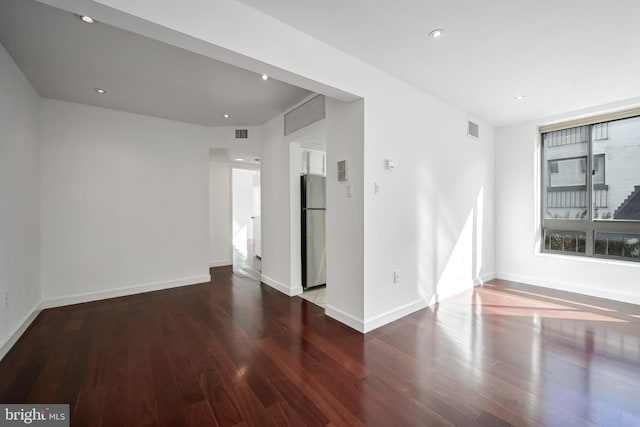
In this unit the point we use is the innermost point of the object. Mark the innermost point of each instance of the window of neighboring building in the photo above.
(598, 168)
(591, 188)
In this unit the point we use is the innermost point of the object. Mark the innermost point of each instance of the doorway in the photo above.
(307, 165)
(245, 222)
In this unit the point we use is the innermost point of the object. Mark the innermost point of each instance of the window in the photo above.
(591, 188)
(598, 169)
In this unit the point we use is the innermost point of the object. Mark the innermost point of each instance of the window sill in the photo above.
(584, 258)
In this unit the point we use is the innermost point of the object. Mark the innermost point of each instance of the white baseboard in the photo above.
(220, 263)
(345, 318)
(395, 314)
(281, 286)
(22, 326)
(121, 292)
(568, 287)
(17, 332)
(484, 278)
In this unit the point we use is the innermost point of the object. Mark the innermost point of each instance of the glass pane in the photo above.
(618, 245)
(565, 241)
(565, 173)
(616, 170)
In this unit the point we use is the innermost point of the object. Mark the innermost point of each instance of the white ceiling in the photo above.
(66, 59)
(563, 55)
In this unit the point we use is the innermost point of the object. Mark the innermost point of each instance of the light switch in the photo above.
(349, 190)
(389, 164)
(376, 188)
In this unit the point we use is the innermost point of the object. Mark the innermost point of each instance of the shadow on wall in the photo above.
(454, 249)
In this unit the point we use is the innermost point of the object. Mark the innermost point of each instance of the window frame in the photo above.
(589, 225)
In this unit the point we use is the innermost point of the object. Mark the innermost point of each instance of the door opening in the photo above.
(246, 230)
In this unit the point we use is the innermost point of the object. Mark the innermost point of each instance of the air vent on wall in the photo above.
(242, 133)
(473, 129)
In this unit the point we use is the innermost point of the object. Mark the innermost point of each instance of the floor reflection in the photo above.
(553, 357)
(248, 265)
(316, 295)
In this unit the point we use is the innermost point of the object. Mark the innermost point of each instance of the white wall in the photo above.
(275, 208)
(435, 213)
(220, 249)
(124, 203)
(344, 217)
(433, 217)
(518, 254)
(19, 202)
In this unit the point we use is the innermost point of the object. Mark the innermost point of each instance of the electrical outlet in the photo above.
(5, 299)
(396, 276)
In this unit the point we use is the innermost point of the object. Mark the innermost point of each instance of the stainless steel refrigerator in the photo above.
(314, 265)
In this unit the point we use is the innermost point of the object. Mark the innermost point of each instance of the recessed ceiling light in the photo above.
(519, 97)
(226, 116)
(239, 160)
(264, 77)
(87, 19)
(436, 33)
(100, 91)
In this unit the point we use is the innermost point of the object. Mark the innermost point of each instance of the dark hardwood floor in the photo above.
(235, 353)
